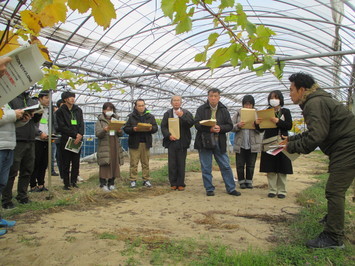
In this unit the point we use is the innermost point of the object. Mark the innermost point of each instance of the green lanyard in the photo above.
(73, 119)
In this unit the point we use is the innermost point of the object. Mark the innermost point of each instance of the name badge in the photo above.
(43, 121)
(74, 122)
(112, 132)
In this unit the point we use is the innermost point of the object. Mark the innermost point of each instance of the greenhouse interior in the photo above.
(143, 57)
(286, 197)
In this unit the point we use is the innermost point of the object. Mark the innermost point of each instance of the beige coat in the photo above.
(103, 149)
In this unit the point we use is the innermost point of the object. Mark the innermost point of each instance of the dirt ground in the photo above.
(71, 237)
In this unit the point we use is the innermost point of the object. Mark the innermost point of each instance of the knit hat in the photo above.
(67, 94)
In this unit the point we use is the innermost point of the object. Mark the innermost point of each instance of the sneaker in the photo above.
(54, 174)
(8, 205)
(8, 224)
(133, 184)
(105, 188)
(3, 232)
(243, 186)
(235, 193)
(112, 187)
(80, 179)
(271, 195)
(249, 185)
(281, 196)
(324, 240)
(147, 184)
(210, 193)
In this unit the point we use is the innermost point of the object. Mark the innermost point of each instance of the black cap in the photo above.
(43, 93)
(67, 94)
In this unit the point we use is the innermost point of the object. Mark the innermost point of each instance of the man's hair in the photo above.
(214, 90)
(109, 105)
(278, 95)
(301, 79)
(172, 98)
(248, 99)
(67, 94)
(138, 100)
(43, 93)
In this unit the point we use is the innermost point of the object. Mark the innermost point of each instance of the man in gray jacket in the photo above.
(330, 126)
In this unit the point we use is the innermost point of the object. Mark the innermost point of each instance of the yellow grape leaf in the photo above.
(43, 49)
(38, 5)
(54, 13)
(103, 11)
(82, 6)
(31, 20)
(9, 43)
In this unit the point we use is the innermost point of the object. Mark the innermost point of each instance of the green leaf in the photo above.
(248, 62)
(49, 82)
(168, 8)
(226, 3)
(235, 53)
(279, 69)
(250, 27)
(94, 87)
(108, 86)
(184, 25)
(231, 18)
(212, 38)
(219, 57)
(268, 61)
(201, 57)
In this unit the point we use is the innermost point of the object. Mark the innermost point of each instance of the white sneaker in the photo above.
(133, 184)
(80, 179)
(147, 184)
(105, 188)
(235, 179)
(112, 187)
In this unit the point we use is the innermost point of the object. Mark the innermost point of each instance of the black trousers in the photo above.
(41, 163)
(245, 159)
(176, 164)
(69, 159)
(24, 159)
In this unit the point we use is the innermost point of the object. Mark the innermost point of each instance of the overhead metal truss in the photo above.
(141, 55)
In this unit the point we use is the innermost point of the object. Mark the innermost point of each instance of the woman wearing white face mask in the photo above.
(277, 167)
(109, 152)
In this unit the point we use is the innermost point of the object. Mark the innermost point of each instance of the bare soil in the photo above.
(74, 236)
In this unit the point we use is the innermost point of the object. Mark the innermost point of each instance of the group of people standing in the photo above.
(331, 126)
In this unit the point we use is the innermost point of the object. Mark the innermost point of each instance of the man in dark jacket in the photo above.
(177, 148)
(214, 109)
(140, 141)
(24, 154)
(71, 125)
(330, 126)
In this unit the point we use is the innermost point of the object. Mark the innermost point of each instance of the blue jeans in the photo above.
(6, 159)
(222, 160)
